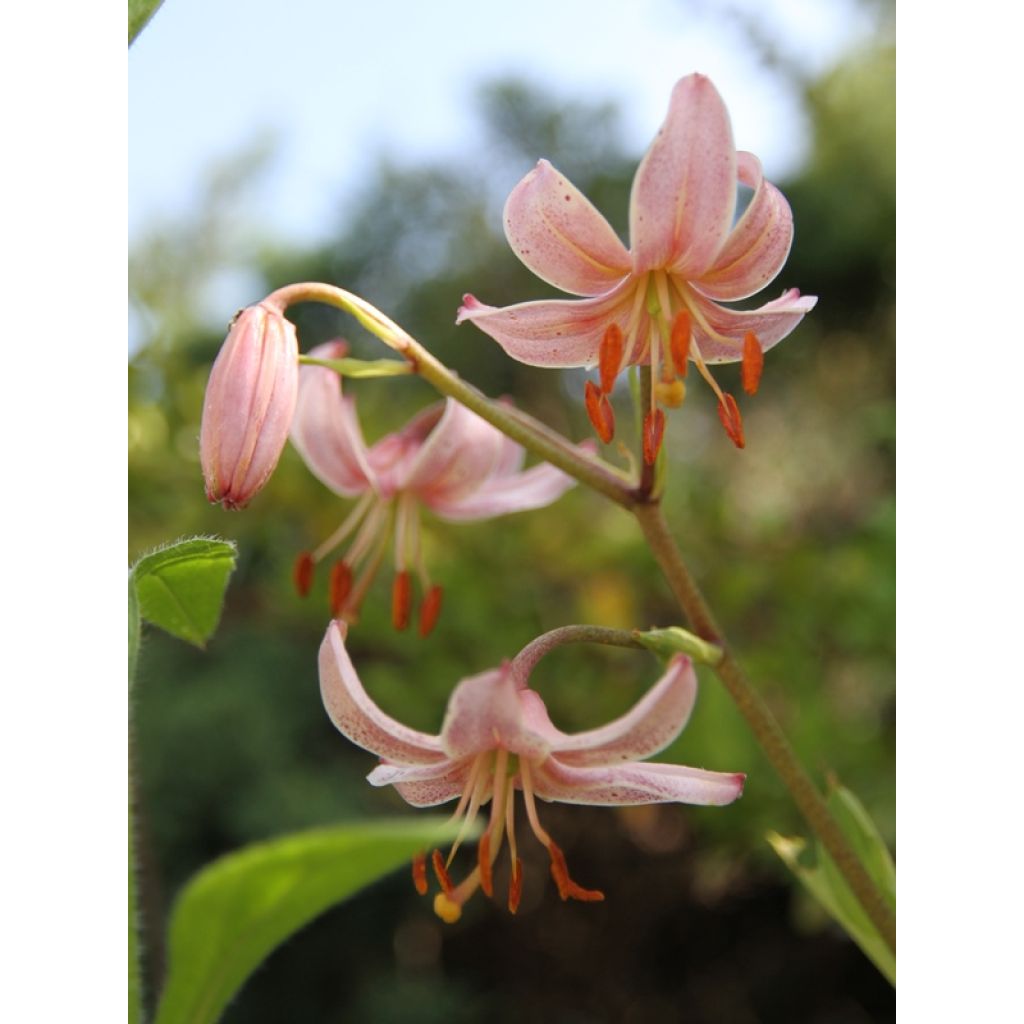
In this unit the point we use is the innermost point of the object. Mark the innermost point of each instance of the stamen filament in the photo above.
(355, 597)
(348, 525)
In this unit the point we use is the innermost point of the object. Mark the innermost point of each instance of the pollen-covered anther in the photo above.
(430, 610)
(515, 885)
(419, 873)
(401, 600)
(340, 586)
(670, 393)
(446, 908)
(654, 431)
(599, 409)
(729, 414)
(484, 860)
(679, 341)
(443, 880)
(753, 363)
(613, 344)
(567, 888)
(302, 573)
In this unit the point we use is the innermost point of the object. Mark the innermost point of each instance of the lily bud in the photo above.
(250, 401)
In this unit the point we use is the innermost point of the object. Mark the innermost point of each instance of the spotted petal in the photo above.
(770, 322)
(356, 715)
(485, 713)
(552, 332)
(684, 192)
(519, 492)
(758, 245)
(326, 431)
(648, 727)
(631, 784)
(423, 785)
(459, 453)
(558, 233)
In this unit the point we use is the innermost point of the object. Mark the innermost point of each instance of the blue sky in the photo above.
(338, 84)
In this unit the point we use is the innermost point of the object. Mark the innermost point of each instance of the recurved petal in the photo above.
(326, 431)
(758, 245)
(649, 726)
(500, 495)
(460, 453)
(770, 322)
(684, 191)
(556, 231)
(484, 713)
(552, 332)
(632, 783)
(423, 785)
(356, 715)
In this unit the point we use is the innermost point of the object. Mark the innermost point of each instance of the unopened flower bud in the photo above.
(250, 401)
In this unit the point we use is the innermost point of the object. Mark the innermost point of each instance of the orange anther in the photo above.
(679, 341)
(484, 860)
(729, 414)
(610, 356)
(401, 600)
(753, 363)
(515, 885)
(442, 873)
(419, 873)
(430, 609)
(599, 409)
(654, 431)
(339, 587)
(567, 888)
(302, 573)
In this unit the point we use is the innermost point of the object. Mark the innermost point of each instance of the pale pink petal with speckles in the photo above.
(424, 785)
(770, 322)
(552, 332)
(500, 495)
(484, 713)
(757, 246)
(648, 727)
(358, 717)
(558, 233)
(325, 428)
(684, 191)
(631, 784)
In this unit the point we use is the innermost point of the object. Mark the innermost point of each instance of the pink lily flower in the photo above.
(659, 303)
(248, 406)
(497, 738)
(446, 459)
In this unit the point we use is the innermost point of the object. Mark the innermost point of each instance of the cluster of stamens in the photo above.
(494, 774)
(372, 521)
(670, 346)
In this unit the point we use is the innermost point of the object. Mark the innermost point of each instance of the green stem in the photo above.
(523, 663)
(532, 434)
(763, 724)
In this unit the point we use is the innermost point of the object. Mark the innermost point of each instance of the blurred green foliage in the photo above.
(793, 540)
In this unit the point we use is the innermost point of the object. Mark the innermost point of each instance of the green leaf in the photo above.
(134, 628)
(825, 882)
(237, 910)
(139, 12)
(180, 588)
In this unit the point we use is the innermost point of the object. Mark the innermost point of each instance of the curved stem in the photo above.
(763, 724)
(523, 663)
(519, 426)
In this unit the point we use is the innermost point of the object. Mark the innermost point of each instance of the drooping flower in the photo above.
(446, 459)
(249, 403)
(658, 303)
(497, 738)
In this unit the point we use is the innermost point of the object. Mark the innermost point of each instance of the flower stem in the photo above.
(523, 663)
(762, 722)
(519, 426)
